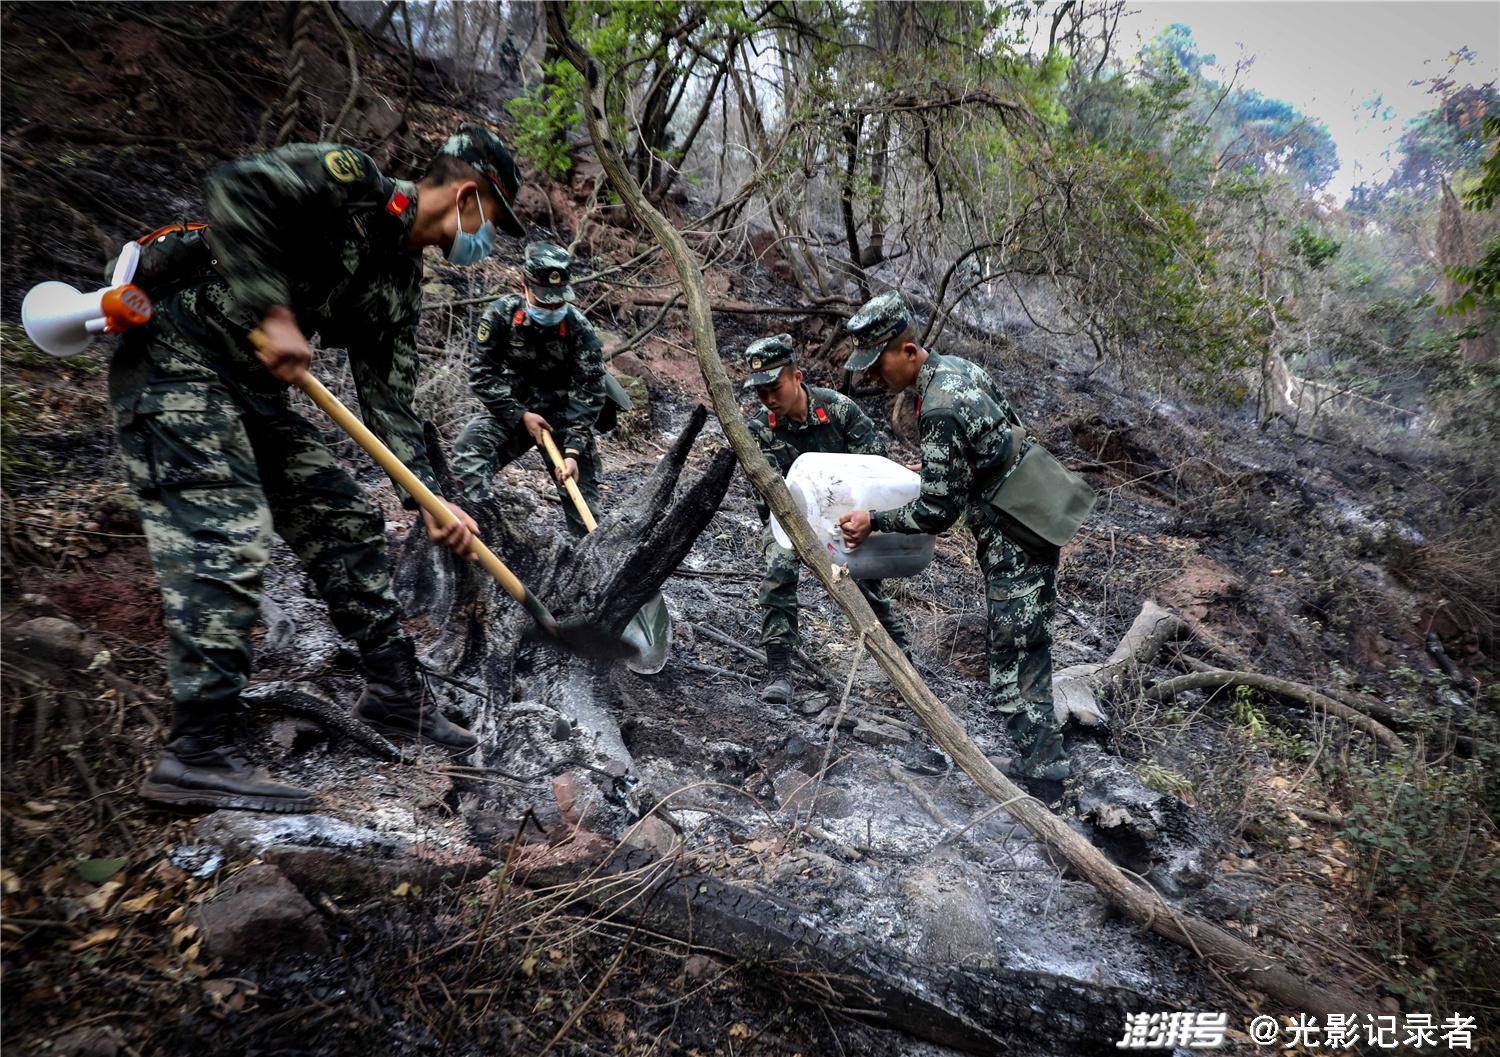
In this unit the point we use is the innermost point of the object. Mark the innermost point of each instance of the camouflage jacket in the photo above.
(834, 424)
(558, 372)
(315, 227)
(965, 426)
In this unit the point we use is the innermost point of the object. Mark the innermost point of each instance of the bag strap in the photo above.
(1017, 442)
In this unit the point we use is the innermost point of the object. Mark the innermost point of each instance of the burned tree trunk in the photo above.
(549, 740)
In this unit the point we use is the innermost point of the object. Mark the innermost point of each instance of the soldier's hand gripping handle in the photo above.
(457, 535)
(440, 511)
(282, 346)
(535, 425)
(855, 526)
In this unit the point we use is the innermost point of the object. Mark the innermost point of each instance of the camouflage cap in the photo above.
(766, 358)
(878, 320)
(483, 149)
(549, 272)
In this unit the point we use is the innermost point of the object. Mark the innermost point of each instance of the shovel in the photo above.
(649, 633)
(582, 639)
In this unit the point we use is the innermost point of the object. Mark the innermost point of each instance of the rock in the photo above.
(53, 641)
(567, 790)
(653, 835)
(948, 903)
(795, 790)
(872, 733)
(256, 916)
(199, 860)
(810, 704)
(86, 1042)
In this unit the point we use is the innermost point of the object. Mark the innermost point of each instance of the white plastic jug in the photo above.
(825, 486)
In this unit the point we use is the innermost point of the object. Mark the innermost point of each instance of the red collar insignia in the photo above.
(397, 205)
(772, 416)
(822, 414)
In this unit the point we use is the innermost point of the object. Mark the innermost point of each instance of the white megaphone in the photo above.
(62, 321)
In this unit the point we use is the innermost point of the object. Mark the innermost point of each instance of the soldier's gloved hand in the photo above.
(536, 425)
(282, 346)
(568, 470)
(457, 535)
(855, 526)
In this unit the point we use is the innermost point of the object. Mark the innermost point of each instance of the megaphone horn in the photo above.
(62, 321)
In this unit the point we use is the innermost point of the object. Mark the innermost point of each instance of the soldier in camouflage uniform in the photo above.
(965, 424)
(798, 418)
(537, 364)
(306, 238)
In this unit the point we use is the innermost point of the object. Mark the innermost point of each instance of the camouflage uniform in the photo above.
(556, 371)
(213, 451)
(834, 424)
(965, 424)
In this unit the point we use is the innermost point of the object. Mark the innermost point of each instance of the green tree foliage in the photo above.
(1482, 278)
(1446, 139)
(545, 113)
(1238, 125)
(1317, 250)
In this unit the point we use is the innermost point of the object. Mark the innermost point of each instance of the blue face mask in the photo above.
(471, 248)
(546, 317)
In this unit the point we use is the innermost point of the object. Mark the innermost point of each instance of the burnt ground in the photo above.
(1315, 560)
(877, 849)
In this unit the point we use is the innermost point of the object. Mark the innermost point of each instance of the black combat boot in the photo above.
(778, 688)
(209, 772)
(396, 702)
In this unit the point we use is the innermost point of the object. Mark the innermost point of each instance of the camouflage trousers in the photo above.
(778, 597)
(214, 477)
(486, 445)
(1022, 605)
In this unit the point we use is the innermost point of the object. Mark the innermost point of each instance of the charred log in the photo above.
(976, 1010)
(540, 710)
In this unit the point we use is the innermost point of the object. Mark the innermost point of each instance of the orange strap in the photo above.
(167, 229)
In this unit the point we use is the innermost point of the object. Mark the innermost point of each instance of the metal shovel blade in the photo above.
(649, 635)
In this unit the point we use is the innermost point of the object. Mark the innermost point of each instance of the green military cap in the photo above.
(482, 149)
(878, 320)
(549, 272)
(766, 358)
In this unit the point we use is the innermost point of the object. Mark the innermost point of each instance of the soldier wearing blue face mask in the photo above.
(538, 366)
(310, 238)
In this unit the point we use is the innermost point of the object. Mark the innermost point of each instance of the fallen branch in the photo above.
(1078, 689)
(1219, 680)
(645, 332)
(745, 308)
(1383, 711)
(1222, 950)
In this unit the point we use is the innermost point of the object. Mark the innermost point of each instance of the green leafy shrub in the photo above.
(545, 113)
(1427, 858)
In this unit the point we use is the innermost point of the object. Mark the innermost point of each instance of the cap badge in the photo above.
(755, 362)
(555, 278)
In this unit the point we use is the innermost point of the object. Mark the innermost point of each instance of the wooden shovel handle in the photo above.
(434, 506)
(550, 446)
